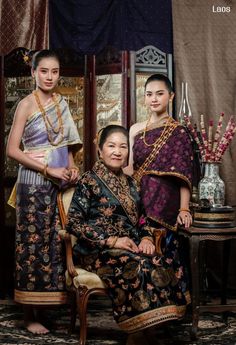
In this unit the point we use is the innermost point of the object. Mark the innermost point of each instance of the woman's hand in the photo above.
(184, 218)
(146, 247)
(74, 175)
(60, 173)
(127, 244)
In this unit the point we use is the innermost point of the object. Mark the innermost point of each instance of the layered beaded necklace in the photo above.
(159, 139)
(170, 126)
(48, 124)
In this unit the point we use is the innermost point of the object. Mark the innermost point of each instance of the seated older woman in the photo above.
(146, 287)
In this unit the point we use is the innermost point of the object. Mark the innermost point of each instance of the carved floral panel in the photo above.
(108, 100)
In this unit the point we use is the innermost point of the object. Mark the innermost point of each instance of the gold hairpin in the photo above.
(26, 57)
(96, 140)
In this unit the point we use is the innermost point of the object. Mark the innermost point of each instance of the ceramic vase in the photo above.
(211, 186)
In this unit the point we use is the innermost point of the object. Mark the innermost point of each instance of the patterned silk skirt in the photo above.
(145, 290)
(40, 259)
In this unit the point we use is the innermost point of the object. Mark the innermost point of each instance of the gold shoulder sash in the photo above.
(167, 132)
(120, 188)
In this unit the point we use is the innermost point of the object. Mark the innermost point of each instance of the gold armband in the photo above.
(184, 210)
(113, 242)
(45, 170)
(148, 238)
(74, 167)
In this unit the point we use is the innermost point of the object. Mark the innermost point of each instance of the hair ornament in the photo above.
(96, 140)
(27, 57)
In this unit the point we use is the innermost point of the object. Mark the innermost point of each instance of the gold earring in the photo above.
(149, 112)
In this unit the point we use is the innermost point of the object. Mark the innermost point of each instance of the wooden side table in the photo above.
(196, 235)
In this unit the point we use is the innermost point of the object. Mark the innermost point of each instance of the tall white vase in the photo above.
(211, 186)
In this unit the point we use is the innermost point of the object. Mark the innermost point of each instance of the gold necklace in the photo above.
(47, 122)
(159, 139)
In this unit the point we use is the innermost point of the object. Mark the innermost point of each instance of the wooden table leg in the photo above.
(225, 268)
(194, 262)
(224, 275)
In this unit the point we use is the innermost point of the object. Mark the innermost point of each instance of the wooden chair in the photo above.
(80, 283)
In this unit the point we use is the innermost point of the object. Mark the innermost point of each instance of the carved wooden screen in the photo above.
(108, 87)
(144, 62)
(108, 100)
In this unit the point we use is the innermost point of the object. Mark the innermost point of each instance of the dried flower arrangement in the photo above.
(212, 149)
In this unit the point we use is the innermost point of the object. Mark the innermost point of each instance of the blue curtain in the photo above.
(88, 26)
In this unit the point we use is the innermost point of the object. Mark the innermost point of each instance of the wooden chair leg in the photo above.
(73, 312)
(82, 301)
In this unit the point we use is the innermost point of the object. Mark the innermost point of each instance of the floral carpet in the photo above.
(103, 330)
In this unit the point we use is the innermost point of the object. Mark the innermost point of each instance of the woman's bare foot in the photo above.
(31, 321)
(36, 327)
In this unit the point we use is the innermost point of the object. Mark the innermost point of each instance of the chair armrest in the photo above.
(66, 237)
(69, 258)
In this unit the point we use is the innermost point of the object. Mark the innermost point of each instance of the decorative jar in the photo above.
(211, 186)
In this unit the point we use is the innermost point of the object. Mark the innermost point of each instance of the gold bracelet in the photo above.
(113, 242)
(184, 210)
(45, 170)
(148, 238)
(73, 167)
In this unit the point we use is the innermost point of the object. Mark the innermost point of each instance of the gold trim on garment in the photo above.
(119, 187)
(40, 298)
(12, 198)
(166, 225)
(169, 173)
(152, 317)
